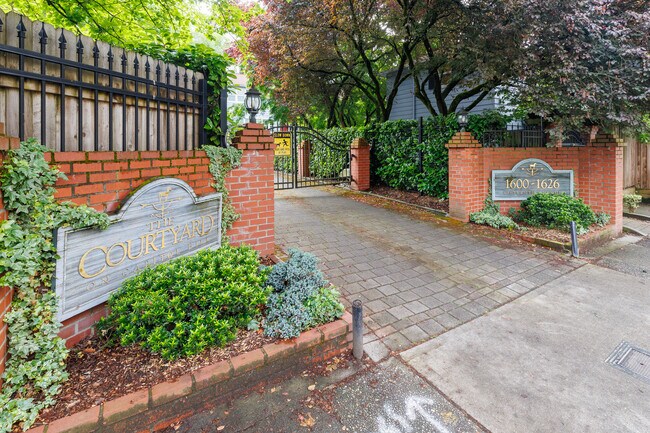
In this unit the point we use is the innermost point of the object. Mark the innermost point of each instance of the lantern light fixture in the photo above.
(253, 102)
(462, 120)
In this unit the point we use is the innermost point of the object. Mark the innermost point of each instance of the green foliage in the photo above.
(301, 297)
(395, 156)
(35, 366)
(490, 119)
(184, 306)
(213, 65)
(324, 306)
(644, 133)
(631, 202)
(222, 160)
(556, 211)
(166, 22)
(283, 164)
(170, 30)
(328, 158)
(491, 216)
(236, 118)
(602, 219)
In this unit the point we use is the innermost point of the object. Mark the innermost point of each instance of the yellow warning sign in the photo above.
(282, 143)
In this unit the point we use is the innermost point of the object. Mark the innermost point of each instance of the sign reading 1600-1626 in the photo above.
(528, 177)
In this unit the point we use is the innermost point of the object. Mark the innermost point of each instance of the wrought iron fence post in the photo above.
(223, 115)
(294, 154)
(203, 85)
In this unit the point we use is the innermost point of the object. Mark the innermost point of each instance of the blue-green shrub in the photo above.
(184, 306)
(491, 216)
(300, 298)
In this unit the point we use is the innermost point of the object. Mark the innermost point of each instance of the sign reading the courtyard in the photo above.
(162, 220)
(529, 177)
(282, 143)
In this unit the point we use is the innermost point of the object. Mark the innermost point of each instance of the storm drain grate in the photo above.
(632, 360)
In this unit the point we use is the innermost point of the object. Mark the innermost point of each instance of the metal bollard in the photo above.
(357, 329)
(575, 252)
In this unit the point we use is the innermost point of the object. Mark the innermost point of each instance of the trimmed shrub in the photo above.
(182, 307)
(556, 211)
(396, 151)
(300, 298)
(631, 202)
(491, 216)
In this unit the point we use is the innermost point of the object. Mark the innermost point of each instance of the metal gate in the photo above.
(304, 157)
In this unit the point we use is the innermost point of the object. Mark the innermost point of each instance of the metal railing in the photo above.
(515, 136)
(521, 135)
(88, 95)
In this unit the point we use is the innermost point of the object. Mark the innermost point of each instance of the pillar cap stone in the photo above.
(358, 143)
(463, 139)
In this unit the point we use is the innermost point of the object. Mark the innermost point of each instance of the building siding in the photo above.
(407, 106)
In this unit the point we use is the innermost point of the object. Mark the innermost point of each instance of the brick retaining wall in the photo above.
(598, 173)
(158, 407)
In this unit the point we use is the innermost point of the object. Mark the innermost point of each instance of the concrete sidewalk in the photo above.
(538, 363)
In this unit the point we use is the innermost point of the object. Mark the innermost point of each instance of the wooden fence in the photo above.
(636, 170)
(76, 94)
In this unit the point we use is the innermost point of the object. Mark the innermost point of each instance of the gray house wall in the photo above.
(407, 106)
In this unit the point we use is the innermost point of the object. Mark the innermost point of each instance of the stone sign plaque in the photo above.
(528, 177)
(162, 220)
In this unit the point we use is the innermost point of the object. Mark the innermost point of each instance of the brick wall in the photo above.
(103, 180)
(360, 165)
(251, 190)
(598, 173)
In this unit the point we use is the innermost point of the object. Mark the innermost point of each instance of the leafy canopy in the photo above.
(577, 63)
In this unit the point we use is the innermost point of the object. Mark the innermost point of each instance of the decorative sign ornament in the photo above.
(162, 220)
(529, 177)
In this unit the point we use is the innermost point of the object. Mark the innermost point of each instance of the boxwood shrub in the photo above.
(184, 306)
(555, 211)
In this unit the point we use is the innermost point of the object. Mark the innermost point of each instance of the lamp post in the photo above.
(462, 120)
(253, 102)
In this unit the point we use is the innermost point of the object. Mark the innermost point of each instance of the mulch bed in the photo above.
(99, 373)
(500, 237)
(412, 198)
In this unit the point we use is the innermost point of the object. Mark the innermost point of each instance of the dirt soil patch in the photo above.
(412, 198)
(99, 373)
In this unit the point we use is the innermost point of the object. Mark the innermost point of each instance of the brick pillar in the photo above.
(304, 149)
(604, 191)
(360, 165)
(467, 185)
(251, 190)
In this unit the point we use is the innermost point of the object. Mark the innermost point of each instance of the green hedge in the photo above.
(395, 157)
(328, 162)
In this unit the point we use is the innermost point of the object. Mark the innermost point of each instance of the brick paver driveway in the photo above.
(417, 279)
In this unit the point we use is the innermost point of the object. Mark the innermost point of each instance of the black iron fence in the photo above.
(520, 134)
(77, 94)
